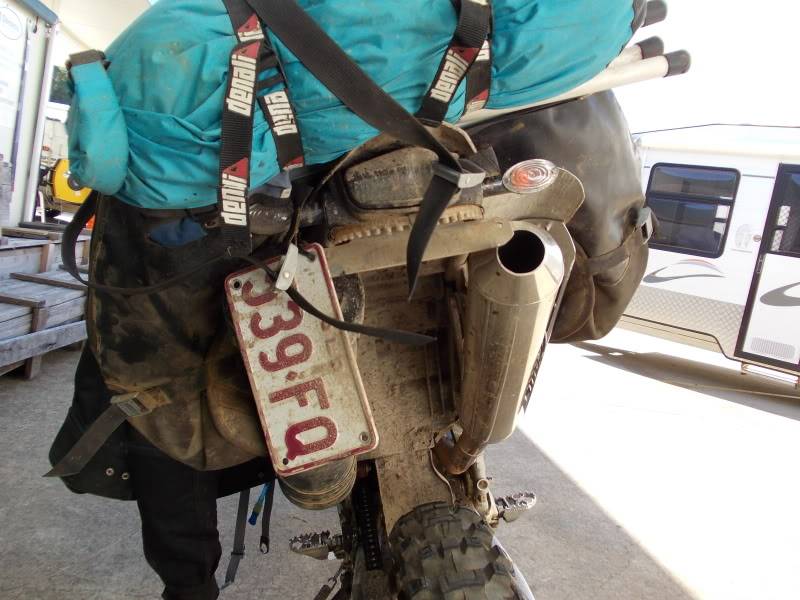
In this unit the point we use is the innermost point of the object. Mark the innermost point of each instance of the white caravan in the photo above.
(724, 268)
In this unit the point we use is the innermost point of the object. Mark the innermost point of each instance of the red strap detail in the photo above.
(251, 25)
(250, 51)
(239, 169)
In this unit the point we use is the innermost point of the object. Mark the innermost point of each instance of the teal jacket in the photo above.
(148, 131)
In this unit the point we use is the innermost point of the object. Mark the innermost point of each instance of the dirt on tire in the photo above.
(446, 553)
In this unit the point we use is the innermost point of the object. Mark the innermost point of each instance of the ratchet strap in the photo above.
(334, 69)
(472, 31)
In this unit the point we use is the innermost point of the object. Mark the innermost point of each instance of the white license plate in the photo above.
(302, 371)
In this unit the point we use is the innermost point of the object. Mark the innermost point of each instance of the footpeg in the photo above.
(321, 546)
(510, 508)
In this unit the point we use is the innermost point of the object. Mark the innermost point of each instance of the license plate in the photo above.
(303, 372)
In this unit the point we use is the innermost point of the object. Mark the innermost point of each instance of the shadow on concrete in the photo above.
(567, 546)
(56, 545)
(754, 391)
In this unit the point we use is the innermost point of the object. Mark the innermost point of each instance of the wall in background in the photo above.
(22, 34)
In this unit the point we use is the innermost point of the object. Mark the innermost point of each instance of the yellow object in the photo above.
(65, 188)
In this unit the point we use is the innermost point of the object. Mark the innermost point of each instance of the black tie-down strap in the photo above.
(121, 408)
(276, 106)
(89, 208)
(469, 40)
(279, 112)
(391, 335)
(334, 69)
(238, 551)
(641, 233)
(73, 230)
(479, 78)
(237, 554)
(238, 112)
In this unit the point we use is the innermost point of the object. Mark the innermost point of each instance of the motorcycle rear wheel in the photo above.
(445, 553)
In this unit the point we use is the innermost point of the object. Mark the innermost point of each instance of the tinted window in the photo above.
(694, 181)
(693, 206)
(786, 234)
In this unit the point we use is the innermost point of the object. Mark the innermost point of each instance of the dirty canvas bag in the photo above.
(590, 138)
(159, 346)
(174, 350)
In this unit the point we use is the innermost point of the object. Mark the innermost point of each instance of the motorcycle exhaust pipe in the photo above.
(511, 294)
(320, 488)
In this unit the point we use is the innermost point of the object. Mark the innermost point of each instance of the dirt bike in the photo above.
(416, 506)
(394, 434)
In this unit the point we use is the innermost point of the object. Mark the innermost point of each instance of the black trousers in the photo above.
(178, 507)
(177, 504)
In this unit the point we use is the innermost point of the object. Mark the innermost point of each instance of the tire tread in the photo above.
(445, 553)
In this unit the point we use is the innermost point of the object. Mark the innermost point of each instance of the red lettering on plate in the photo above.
(301, 390)
(297, 448)
(284, 360)
(278, 323)
(250, 300)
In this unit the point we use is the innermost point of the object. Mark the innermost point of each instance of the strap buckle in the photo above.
(131, 405)
(647, 223)
(84, 58)
(468, 178)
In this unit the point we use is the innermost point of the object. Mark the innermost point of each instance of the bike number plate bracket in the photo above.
(303, 372)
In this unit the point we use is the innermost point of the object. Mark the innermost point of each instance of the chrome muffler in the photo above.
(511, 294)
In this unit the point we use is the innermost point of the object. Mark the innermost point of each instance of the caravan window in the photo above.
(786, 232)
(693, 206)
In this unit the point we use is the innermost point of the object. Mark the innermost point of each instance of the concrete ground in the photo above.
(658, 475)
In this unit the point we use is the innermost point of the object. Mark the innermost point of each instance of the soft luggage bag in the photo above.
(590, 138)
(169, 71)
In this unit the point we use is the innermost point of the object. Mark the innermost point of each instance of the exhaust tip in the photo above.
(523, 254)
